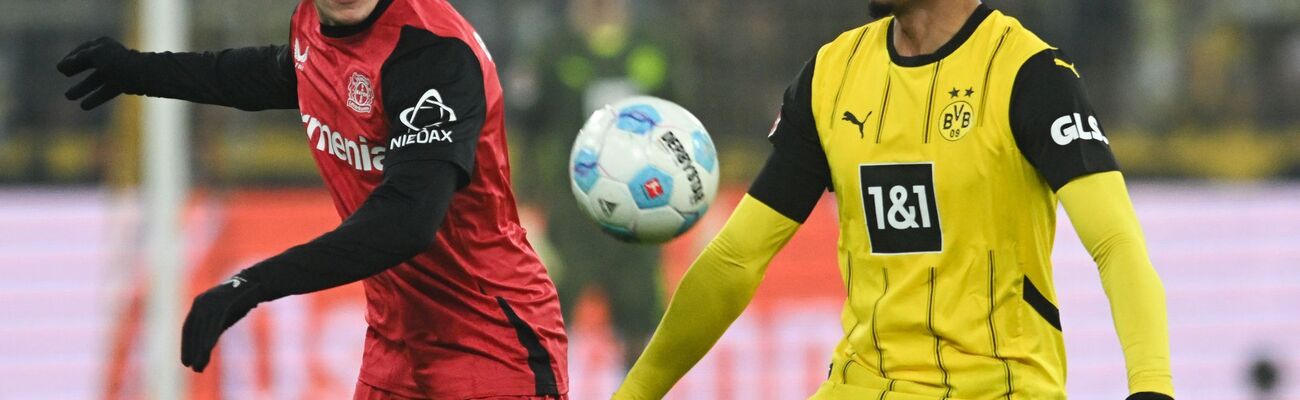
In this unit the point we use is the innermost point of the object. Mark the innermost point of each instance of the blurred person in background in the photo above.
(403, 110)
(598, 57)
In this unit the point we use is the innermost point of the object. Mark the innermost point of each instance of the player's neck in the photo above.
(927, 25)
(340, 17)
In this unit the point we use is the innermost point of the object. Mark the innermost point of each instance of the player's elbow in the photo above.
(734, 257)
(729, 268)
(411, 248)
(1120, 248)
(716, 285)
(415, 238)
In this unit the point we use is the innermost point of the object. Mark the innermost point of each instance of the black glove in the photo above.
(1149, 396)
(112, 64)
(213, 312)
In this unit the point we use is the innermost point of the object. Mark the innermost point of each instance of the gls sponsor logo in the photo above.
(359, 153)
(1070, 127)
(431, 113)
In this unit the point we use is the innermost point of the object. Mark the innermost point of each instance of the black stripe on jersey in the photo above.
(993, 332)
(844, 78)
(844, 373)
(929, 103)
(857, 324)
(888, 389)
(848, 282)
(1045, 308)
(848, 279)
(884, 105)
(539, 361)
(988, 71)
(929, 324)
(875, 335)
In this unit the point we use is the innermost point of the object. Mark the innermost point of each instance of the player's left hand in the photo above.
(1149, 396)
(210, 315)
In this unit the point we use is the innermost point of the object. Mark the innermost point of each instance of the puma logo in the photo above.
(853, 119)
(1066, 65)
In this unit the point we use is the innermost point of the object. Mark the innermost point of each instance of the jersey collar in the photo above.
(957, 40)
(349, 30)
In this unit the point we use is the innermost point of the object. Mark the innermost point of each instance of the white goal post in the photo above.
(165, 26)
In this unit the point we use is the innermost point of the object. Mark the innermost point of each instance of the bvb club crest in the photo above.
(360, 93)
(958, 117)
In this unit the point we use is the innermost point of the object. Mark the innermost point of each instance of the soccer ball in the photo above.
(644, 169)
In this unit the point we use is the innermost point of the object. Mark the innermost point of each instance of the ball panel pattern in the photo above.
(585, 171)
(705, 154)
(651, 188)
(659, 224)
(638, 118)
(610, 203)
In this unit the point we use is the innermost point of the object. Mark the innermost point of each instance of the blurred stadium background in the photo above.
(1201, 98)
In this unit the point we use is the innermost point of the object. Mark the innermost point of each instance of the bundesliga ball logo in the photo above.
(360, 93)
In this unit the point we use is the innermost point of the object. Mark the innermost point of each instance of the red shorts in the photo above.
(367, 392)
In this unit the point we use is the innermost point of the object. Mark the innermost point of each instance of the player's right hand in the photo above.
(109, 59)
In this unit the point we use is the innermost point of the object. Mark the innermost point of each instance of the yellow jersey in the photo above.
(946, 170)
(943, 167)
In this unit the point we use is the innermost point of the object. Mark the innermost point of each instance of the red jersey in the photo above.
(476, 314)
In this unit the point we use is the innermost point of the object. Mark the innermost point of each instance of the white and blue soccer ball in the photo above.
(645, 169)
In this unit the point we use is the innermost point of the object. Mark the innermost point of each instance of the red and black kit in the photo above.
(403, 114)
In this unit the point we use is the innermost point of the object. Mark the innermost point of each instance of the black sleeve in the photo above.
(433, 92)
(797, 173)
(397, 222)
(249, 78)
(1053, 123)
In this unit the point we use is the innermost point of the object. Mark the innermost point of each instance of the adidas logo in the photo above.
(607, 207)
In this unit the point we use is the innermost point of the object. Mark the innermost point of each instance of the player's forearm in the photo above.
(397, 222)
(250, 78)
(713, 293)
(710, 297)
(1137, 301)
(1103, 215)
